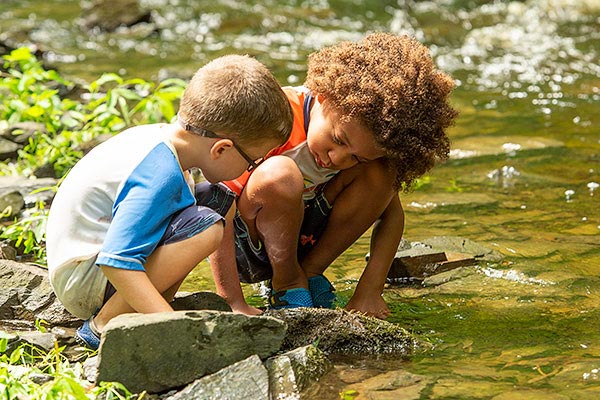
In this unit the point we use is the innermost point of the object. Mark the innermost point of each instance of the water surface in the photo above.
(522, 178)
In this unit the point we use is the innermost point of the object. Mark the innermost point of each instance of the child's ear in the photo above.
(219, 147)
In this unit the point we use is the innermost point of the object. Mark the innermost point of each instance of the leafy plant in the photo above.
(29, 232)
(105, 106)
(70, 117)
(20, 372)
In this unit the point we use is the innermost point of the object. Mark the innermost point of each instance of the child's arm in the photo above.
(385, 239)
(224, 270)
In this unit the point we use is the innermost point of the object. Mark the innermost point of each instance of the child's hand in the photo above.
(244, 308)
(373, 306)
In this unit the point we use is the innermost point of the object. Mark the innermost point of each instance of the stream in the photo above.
(522, 179)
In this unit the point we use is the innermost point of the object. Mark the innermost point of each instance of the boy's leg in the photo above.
(184, 246)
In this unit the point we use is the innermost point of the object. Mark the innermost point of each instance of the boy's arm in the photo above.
(385, 239)
(224, 270)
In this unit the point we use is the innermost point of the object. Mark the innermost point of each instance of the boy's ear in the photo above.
(219, 147)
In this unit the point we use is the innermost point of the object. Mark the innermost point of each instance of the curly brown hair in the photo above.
(391, 85)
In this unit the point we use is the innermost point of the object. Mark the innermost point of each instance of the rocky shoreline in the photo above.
(195, 351)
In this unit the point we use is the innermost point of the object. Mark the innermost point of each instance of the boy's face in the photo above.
(338, 145)
(232, 163)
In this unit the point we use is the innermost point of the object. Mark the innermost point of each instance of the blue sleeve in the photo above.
(153, 192)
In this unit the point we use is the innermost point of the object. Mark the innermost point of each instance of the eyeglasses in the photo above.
(252, 164)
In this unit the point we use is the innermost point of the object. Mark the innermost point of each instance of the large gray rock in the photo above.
(342, 332)
(26, 294)
(292, 372)
(246, 379)
(199, 301)
(156, 352)
(25, 187)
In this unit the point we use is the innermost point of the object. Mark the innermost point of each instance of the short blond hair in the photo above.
(237, 96)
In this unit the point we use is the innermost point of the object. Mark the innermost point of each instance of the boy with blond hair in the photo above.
(128, 225)
(371, 118)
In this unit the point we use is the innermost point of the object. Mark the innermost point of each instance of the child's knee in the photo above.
(278, 177)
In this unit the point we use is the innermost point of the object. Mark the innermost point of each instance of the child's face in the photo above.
(234, 161)
(339, 145)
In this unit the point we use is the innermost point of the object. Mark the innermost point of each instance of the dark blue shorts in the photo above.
(210, 208)
(252, 261)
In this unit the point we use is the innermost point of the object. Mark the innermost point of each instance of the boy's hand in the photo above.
(245, 308)
(373, 306)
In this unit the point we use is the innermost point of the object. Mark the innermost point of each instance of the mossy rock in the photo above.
(342, 332)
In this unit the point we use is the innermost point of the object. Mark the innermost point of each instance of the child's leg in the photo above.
(197, 234)
(271, 206)
(359, 196)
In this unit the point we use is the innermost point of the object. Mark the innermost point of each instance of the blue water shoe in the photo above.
(87, 336)
(321, 291)
(291, 298)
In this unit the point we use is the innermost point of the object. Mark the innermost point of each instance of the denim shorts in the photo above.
(252, 260)
(210, 208)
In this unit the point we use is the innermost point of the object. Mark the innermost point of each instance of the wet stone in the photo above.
(341, 332)
(292, 372)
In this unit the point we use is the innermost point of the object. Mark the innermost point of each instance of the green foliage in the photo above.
(105, 106)
(20, 371)
(70, 117)
(29, 231)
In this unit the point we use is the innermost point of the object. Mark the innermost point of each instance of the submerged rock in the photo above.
(342, 332)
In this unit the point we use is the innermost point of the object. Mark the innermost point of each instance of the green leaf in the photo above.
(20, 54)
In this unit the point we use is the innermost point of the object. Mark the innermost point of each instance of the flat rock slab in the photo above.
(342, 332)
(157, 352)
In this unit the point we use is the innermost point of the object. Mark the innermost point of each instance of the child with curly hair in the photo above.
(370, 119)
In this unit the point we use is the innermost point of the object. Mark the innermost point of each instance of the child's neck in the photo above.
(191, 149)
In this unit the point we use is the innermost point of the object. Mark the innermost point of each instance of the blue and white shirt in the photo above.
(116, 203)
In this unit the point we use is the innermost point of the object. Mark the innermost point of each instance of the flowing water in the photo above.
(523, 177)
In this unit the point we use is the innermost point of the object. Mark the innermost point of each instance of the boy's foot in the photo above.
(87, 336)
(291, 298)
(321, 291)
